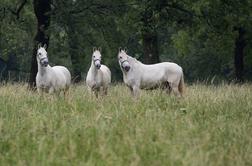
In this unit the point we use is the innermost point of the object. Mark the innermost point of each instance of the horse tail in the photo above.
(181, 86)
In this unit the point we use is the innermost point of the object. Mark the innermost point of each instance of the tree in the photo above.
(16, 29)
(87, 24)
(207, 38)
(149, 34)
(42, 9)
(230, 17)
(240, 44)
(151, 17)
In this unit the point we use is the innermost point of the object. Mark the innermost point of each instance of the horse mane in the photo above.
(132, 60)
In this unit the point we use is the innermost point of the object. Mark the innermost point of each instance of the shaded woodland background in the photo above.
(210, 39)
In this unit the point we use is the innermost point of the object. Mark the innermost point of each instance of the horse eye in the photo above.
(120, 57)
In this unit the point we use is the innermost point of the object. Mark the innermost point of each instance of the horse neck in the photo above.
(135, 73)
(43, 70)
(135, 63)
(132, 60)
(93, 69)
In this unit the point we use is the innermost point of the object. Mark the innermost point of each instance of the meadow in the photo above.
(211, 125)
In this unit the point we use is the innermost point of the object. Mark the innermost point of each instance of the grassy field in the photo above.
(211, 125)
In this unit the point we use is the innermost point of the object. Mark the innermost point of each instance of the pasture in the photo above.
(211, 125)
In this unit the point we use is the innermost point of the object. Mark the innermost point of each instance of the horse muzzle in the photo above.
(126, 68)
(44, 62)
(98, 66)
(97, 63)
(125, 65)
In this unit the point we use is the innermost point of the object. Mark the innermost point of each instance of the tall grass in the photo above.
(211, 125)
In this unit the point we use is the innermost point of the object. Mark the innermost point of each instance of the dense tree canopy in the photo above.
(208, 38)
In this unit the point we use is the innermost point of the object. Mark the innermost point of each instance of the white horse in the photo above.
(137, 75)
(98, 76)
(51, 79)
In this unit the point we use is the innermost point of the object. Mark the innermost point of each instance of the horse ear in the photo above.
(45, 46)
(39, 45)
(125, 49)
(94, 48)
(100, 49)
(120, 49)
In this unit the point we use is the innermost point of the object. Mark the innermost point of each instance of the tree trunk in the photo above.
(73, 51)
(149, 35)
(41, 10)
(75, 58)
(150, 48)
(240, 44)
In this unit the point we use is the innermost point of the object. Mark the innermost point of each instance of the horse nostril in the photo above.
(127, 68)
(98, 66)
(45, 63)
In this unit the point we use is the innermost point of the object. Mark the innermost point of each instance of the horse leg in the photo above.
(90, 90)
(96, 91)
(66, 91)
(168, 88)
(39, 91)
(175, 90)
(131, 90)
(105, 90)
(135, 91)
(51, 90)
(58, 92)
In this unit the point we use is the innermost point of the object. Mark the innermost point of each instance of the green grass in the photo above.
(211, 125)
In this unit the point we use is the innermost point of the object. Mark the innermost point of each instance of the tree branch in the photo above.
(179, 8)
(2, 15)
(101, 6)
(18, 9)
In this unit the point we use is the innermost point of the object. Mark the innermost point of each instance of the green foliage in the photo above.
(182, 42)
(16, 35)
(198, 35)
(209, 126)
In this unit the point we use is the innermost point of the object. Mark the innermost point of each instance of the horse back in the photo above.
(61, 70)
(150, 75)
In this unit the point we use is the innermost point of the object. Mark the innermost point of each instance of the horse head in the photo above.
(96, 57)
(123, 60)
(42, 55)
